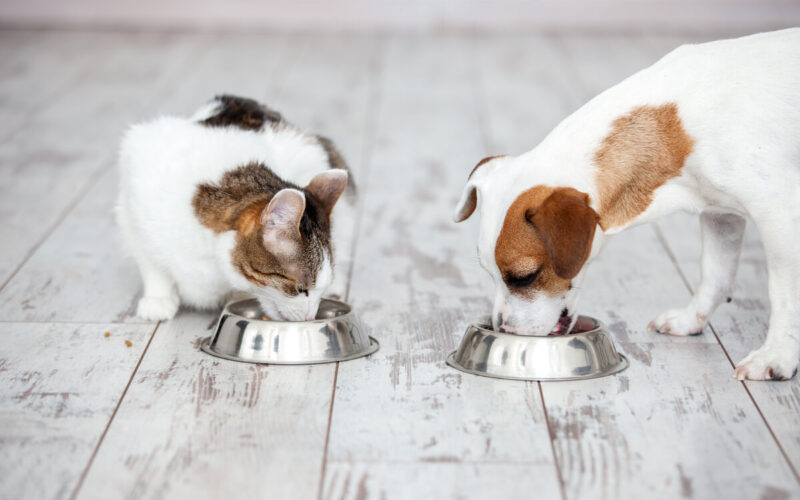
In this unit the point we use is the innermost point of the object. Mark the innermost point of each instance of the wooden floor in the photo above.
(83, 415)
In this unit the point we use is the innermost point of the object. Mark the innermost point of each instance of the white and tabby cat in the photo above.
(213, 204)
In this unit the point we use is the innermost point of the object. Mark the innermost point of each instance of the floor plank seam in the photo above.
(94, 178)
(772, 433)
(48, 101)
(327, 436)
(482, 112)
(557, 466)
(366, 153)
(673, 258)
(370, 123)
(85, 472)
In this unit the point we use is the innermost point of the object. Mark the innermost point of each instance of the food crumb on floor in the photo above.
(128, 343)
(107, 334)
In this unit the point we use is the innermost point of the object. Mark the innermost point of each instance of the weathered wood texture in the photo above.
(86, 416)
(741, 326)
(53, 144)
(59, 385)
(193, 426)
(416, 285)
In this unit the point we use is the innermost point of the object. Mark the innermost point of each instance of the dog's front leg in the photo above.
(722, 243)
(777, 359)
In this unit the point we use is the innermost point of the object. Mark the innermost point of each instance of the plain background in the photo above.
(605, 15)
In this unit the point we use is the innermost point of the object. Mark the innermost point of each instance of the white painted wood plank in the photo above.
(39, 66)
(523, 97)
(59, 384)
(81, 273)
(742, 325)
(327, 89)
(674, 423)
(435, 480)
(55, 152)
(416, 285)
(221, 425)
(194, 426)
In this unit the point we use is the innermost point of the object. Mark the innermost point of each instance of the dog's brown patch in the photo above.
(644, 149)
(237, 203)
(546, 228)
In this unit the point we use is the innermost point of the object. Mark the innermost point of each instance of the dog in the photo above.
(712, 129)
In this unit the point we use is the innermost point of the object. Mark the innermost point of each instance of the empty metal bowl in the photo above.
(242, 334)
(587, 353)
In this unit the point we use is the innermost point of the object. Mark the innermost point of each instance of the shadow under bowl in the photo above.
(588, 353)
(243, 335)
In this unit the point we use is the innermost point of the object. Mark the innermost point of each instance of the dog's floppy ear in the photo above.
(566, 223)
(467, 203)
(469, 198)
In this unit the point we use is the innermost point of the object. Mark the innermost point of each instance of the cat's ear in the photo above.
(281, 221)
(328, 186)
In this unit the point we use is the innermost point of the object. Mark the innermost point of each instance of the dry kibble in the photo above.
(128, 343)
(107, 334)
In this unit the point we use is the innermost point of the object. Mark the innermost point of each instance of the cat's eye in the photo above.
(522, 281)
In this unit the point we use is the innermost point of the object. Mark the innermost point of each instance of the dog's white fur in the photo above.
(740, 101)
(181, 261)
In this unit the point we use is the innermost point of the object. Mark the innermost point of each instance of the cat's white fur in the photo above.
(183, 262)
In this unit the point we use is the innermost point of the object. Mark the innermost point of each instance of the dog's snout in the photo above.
(498, 321)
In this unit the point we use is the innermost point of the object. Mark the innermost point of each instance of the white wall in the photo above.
(409, 14)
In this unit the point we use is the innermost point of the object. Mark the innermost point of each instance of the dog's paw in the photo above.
(680, 322)
(157, 308)
(767, 364)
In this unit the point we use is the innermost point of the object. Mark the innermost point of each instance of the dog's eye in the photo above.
(522, 281)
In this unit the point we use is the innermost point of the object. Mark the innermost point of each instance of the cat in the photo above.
(213, 204)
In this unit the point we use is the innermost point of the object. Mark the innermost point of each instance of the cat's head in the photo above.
(283, 247)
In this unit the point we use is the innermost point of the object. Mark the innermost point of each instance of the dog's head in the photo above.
(533, 241)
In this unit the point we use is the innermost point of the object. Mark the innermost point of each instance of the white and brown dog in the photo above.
(712, 129)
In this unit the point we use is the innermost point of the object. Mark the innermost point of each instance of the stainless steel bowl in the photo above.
(589, 353)
(243, 335)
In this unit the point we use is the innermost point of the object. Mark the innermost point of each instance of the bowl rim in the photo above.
(481, 323)
(227, 310)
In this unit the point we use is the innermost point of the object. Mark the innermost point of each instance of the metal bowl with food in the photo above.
(244, 333)
(586, 352)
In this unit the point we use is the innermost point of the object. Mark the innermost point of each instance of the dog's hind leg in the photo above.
(722, 243)
(777, 359)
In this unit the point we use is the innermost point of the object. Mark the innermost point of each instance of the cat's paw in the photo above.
(157, 308)
(767, 364)
(679, 322)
